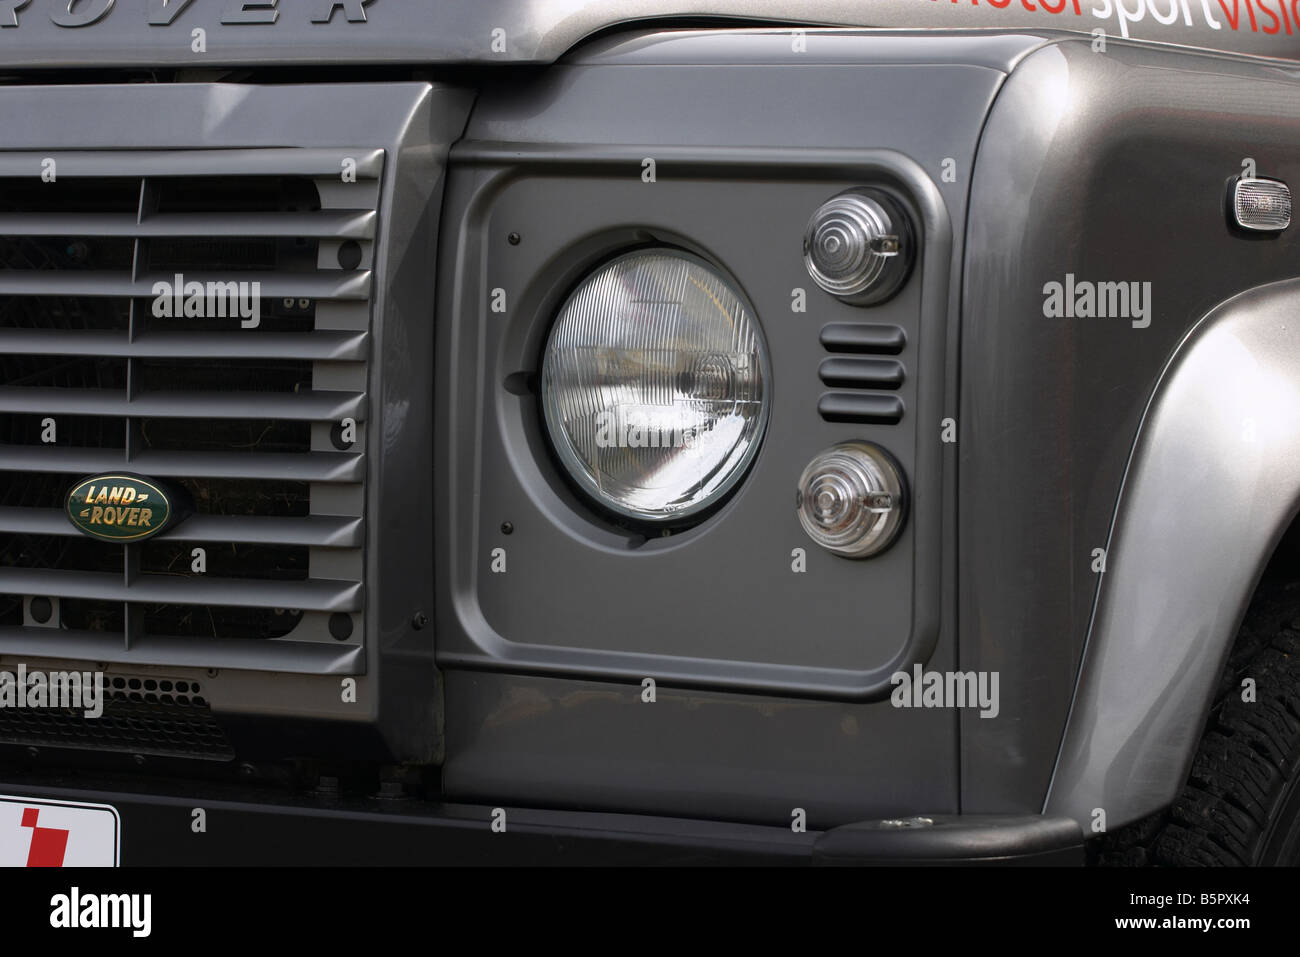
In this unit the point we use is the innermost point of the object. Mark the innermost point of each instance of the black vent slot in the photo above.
(240, 497)
(64, 312)
(65, 552)
(70, 195)
(78, 431)
(855, 373)
(198, 375)
(162, 717)
(66, 252)
(863, 337)
(90, 614)
(20, 490)
(269, 562)
(234, 194)
(64, 372)
(855, 407)
(225, 435)
(211, 621)
(861, 371)
(210, 255)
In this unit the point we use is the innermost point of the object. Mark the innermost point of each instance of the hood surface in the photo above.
(202, 33)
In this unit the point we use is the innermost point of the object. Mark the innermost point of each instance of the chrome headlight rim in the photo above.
(570, 465)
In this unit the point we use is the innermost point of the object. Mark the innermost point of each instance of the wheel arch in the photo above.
(1211, 492)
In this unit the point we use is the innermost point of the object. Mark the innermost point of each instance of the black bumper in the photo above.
(257, 827)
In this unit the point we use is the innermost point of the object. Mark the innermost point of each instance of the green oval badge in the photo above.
(121, 508)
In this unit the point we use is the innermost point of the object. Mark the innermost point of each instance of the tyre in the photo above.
(1241, 803)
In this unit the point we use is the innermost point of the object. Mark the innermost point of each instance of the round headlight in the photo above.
(655, 385)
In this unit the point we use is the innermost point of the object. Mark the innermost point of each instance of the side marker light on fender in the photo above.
(1261, 205)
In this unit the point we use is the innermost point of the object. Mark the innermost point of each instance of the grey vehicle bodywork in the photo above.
(46, 33)
(1073, 435)
(1149, 139)
(1078, 146)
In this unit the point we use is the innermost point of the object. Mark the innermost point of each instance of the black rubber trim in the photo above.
(266, 825)
(862, 373)
(863, 337)
(851, 407)
(955, 839)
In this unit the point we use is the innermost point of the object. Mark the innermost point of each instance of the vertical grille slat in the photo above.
(247, 417)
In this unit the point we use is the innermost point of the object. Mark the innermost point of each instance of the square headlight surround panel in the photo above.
(542, 580)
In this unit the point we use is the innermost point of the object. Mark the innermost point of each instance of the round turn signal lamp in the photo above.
(851, 499)
(858, 246)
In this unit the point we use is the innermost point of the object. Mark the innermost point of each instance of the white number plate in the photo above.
(57, 834)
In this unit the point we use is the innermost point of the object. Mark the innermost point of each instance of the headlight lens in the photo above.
(655, 385)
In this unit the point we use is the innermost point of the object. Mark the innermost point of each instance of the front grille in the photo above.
(167, 717)
(100, 372)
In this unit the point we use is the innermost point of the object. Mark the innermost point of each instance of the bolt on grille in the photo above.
(102, 371)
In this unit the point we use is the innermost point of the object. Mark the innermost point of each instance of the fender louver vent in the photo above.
(856, 371)
(249, 408)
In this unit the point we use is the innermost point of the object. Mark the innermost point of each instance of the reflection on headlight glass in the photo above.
(654, 385)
